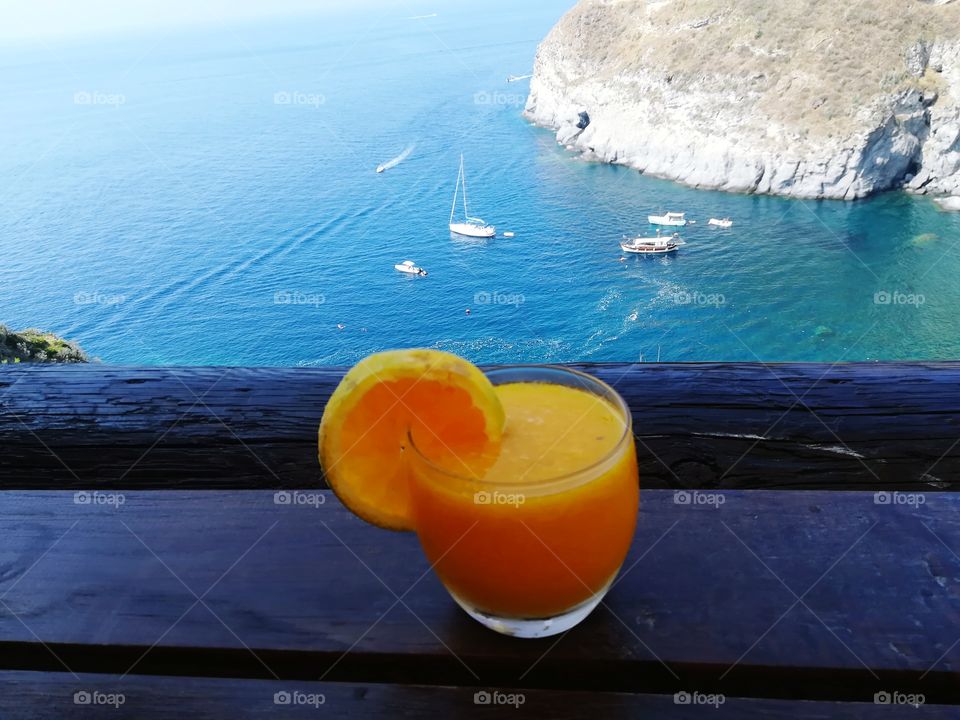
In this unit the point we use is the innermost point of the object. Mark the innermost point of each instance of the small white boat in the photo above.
(471, 226)
(410, 268)
(673, 219)
(509, 234)
(721, 223)
(515, 78)
(658, 245)
(380, 168)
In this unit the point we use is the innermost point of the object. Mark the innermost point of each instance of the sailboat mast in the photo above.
(456, 191)
(463, 175)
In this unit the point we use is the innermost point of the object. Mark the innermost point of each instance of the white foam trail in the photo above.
(422, 17)
(399, 158)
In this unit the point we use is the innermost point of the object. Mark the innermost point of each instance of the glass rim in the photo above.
(614, 398)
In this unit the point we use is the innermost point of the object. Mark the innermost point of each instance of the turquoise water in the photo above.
(161, 203)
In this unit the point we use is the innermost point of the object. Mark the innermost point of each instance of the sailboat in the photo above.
(471, 226)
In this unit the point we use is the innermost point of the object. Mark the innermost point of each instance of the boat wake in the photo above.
(496, 349)
(397, 160)
(610, 297)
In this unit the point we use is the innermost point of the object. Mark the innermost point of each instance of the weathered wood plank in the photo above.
(699, 425)
(50, 696)
(708, 600)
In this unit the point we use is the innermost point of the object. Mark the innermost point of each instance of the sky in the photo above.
(26, 20)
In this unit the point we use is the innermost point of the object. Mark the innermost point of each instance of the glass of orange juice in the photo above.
(529, 544)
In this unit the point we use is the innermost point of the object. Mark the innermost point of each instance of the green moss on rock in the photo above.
(35, 346)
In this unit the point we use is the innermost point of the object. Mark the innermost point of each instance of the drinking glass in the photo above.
(532, 557)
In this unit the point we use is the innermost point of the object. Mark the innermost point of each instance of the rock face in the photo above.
(37, 346)
(950, 204)
(807, 98)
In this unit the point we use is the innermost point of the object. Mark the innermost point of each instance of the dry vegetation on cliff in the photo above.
(820, 62)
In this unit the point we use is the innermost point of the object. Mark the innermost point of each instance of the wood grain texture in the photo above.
(50, 696)
(821, 596)
(732, 426)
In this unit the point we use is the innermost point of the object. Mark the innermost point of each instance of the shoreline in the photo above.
(946, 202)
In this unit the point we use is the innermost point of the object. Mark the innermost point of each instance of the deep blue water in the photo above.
(161, 221)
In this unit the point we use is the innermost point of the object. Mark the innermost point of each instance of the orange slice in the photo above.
(445, 402)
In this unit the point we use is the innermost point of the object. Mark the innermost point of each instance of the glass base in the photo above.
(534, 627)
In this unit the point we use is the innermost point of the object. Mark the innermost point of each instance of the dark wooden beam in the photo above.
(51, 696)
(790, 426)
(817, 596)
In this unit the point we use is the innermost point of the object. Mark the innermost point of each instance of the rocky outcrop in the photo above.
(37, 346)
(825, 99)
(950, 204)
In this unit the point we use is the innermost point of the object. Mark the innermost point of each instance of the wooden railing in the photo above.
(149, 548)
(717, 426)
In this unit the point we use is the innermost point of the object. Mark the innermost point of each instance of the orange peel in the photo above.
(442, 400)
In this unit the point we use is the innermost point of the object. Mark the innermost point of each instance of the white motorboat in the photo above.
(390, 164)
(721, 223)
(471, 226)
(672, 219)
(410, 268)
(658, 245)
(509, 234)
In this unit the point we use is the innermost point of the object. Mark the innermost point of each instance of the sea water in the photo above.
(209, 195)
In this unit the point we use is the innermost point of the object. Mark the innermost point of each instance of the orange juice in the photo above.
(545, 529)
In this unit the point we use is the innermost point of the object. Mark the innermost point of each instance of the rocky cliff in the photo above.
(37, 346)
(808, 98)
